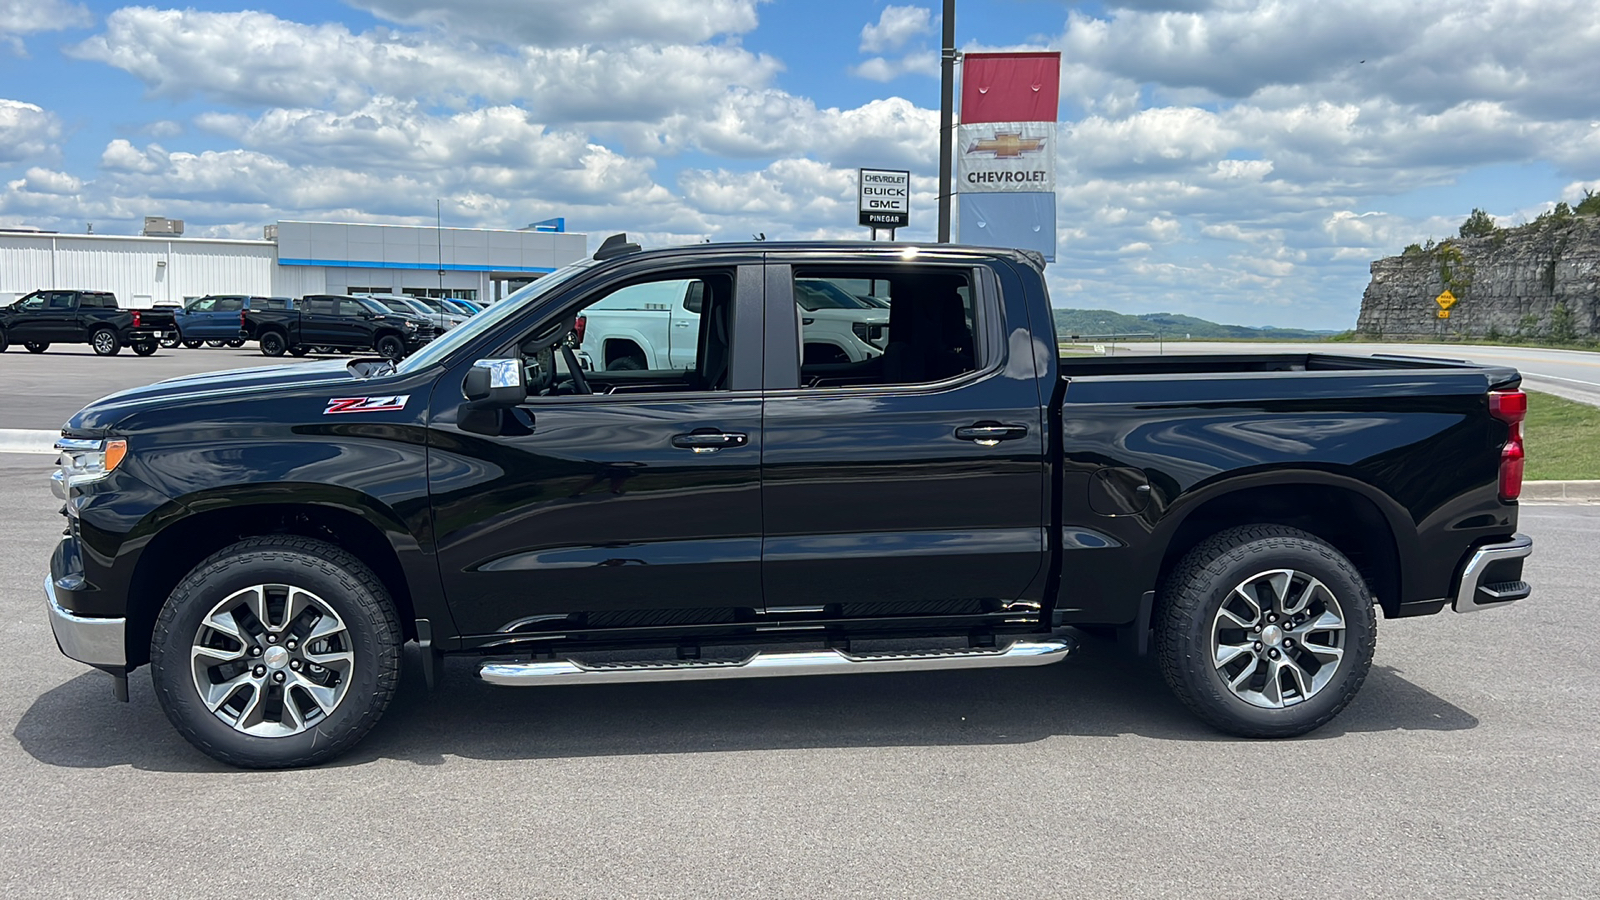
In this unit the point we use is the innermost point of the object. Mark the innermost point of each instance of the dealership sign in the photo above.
(1006, 156)
(885, 198)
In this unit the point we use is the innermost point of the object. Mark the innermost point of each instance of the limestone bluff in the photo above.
(1540, 280)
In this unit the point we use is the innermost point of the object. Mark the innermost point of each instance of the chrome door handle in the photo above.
(989, 434)
(709, 441)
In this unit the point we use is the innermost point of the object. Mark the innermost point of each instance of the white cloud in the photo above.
(896, 25)
(564, 22)
(256, 59)
(27, 131)
(48, 181)
(879, 69)
(21, 17)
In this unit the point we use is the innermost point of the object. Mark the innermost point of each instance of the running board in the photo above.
(772, 664)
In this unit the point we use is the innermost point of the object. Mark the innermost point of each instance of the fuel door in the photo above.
(1119, 491)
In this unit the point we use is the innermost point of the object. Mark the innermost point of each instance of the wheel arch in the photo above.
(1358, 520)
(178, 547)
(613, 347)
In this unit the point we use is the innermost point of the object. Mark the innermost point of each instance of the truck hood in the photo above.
(238, 384)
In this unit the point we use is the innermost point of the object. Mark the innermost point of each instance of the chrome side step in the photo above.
(772, 664)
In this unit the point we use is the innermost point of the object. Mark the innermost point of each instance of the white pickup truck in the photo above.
(656, 325)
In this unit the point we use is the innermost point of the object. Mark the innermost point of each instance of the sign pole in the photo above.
(947, 91)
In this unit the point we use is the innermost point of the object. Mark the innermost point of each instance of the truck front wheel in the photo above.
(1266, 631)
(276, 652)
(391, 347)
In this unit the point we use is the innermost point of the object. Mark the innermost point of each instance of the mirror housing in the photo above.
(493, 383)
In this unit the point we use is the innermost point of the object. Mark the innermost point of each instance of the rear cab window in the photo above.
(862, 326)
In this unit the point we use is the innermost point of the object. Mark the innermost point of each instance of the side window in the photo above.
(105, 301)
(204, 304)
(641, 338)
(320, 307)
(61, 300)
(271, 302)
(33, 303)
(229, 304)
(868, 326)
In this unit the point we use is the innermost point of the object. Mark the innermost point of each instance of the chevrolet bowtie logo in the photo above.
(1007, 146)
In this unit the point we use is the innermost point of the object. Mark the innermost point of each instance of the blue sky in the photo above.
(1240, 160)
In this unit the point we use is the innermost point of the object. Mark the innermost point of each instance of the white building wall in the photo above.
(141, 271)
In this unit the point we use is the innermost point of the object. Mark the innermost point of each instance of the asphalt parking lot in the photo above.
(1466, 767)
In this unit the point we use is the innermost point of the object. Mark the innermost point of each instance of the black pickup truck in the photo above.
(43, 318)
(336, 322)
(267, 540)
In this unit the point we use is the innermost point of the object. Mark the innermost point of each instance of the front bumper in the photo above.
(1493, 575)
(100, 642)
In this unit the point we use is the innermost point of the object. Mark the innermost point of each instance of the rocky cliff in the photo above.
(1538, 280)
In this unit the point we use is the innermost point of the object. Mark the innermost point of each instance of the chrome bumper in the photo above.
(1474, 593)
(98, 642)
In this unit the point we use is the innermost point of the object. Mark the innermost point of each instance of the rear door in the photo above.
(911, 482)
(318, 325)
(63, 320)
(634, 505)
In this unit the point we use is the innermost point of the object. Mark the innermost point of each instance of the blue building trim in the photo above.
(431, 267)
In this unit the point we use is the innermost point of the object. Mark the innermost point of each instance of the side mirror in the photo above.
(494, 383)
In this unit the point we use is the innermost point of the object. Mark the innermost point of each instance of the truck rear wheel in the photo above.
(273, 344)
(1266, 631)
(276, 652)
(37, 346)
(145, 348)
(192, 345)
(105, 342)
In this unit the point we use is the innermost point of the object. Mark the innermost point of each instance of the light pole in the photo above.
(947, 93)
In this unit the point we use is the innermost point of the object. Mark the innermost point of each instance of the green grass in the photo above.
(1563, 439)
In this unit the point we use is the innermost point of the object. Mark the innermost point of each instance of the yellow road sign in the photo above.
(1444, 313)
(1445, 301)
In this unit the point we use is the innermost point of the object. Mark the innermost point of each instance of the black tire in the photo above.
(216, 345)
(105, 342)
(193, 345)
(391, 347)
(627, 364)
(235, 343)
(273, 344)
(334, 576)
(298, 351)
(171, 342)
(4, 342)
(145, 348)
(37, 346)
(1187, 642)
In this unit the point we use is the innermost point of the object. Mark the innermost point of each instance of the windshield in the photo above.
(519, 300)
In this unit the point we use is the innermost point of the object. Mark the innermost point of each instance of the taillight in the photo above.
(242, 321)
(136, 318)
(1510, 407)
(578, 329)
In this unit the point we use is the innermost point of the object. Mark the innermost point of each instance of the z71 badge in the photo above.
(365, 404)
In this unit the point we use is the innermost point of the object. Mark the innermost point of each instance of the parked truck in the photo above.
(266, 541)
(42, 318)
(335, 322)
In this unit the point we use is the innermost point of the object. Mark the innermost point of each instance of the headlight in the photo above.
(84, 461)
(411, 326)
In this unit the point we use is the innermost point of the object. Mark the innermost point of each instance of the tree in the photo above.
(1479, 224)
(1561, 328)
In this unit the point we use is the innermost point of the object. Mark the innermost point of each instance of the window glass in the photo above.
(229, 304)
(61, 300)
(271, 302)
(35, 302)
(642, 338)
(862, 327)
(320, 306)
(204, 304)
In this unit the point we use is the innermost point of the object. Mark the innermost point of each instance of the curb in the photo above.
(22, 440)
(1561, 490)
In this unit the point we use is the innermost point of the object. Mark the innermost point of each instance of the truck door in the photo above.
(32, 322)
(911, 483)
(221, 322)
(63, 320)
(636, 503)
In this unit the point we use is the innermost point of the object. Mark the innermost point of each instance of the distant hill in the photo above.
(1171, 326)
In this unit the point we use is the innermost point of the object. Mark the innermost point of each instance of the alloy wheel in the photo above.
(1278, 638)
(272, 660)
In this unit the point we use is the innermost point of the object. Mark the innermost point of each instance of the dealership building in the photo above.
(162, 267)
